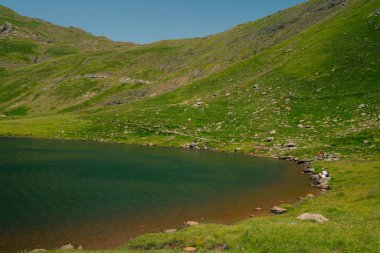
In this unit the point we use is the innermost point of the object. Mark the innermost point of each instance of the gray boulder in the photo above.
(278, 210)
(191, 223)
(309, 171)
(323, 186)
(67, 247)
(324, 180)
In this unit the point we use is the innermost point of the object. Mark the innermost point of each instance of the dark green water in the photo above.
(100, 195)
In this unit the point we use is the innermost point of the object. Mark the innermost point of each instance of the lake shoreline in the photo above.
(257, 213)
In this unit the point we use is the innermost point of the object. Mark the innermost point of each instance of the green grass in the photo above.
(19, 111)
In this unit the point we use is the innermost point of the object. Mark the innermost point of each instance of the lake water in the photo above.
(100, 195)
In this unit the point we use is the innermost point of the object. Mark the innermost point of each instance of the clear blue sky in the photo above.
(145, 21)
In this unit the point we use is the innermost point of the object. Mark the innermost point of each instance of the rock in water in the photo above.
(309, 171)
(278, 210)
(310, 196)
(323, 186)
(67, 247)
(172, 230)
(316, 217)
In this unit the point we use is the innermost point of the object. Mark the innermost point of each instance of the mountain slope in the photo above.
(109, 73)
(320, 87)
(26, 40)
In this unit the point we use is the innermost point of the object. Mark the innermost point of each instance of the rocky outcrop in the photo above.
(191, 145)
(130, 80)
(331, 4)
(94, 76)
(309, 171)
(316, 217)
(273, 28)
(375, 13)
(6, 28)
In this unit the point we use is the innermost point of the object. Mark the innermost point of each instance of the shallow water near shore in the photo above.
(100, 195)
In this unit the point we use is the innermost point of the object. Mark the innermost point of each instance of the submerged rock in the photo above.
(169, 231)
(316, 217)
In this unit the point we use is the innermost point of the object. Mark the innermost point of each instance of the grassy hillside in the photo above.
(318, 88)
(30, 40)
(107, 73)
(308, 75)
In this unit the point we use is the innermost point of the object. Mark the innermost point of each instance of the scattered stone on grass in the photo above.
(221, 247)
(38, 250)
(191, 223)
(316, 217)
(190, 249)
(67, 247)
(278, 210)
